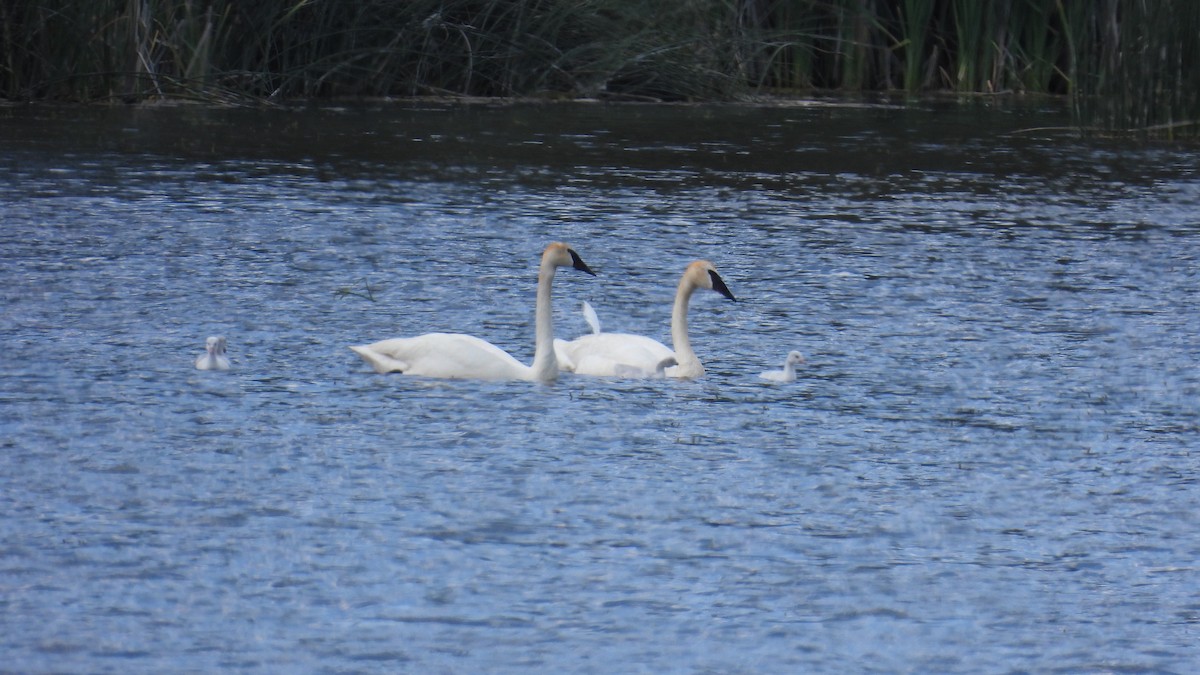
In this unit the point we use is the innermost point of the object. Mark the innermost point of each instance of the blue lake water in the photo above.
(988, 464)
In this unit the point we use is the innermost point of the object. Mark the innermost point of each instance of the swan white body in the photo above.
(788, 374)
(633, 372)
(213, 357)
(455, 355)
(626, 355)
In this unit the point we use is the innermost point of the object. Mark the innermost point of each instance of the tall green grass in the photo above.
(136, 49)
(1137, 67)
(1126, 63)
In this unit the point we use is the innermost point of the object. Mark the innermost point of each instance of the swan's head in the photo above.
(703, 274)
(559, 254)
(215, 345)
(795, 358)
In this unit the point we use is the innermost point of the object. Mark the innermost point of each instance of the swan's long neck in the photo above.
(545, 364)
(679, 327)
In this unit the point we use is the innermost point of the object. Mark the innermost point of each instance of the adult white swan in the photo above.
(454, 355)
(623, 354)
(213, 357)
(788, 374)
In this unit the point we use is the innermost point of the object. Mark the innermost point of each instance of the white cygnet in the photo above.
(214, 357)
(788, 374)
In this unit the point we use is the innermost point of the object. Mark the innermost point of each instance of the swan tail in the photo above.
(382, 363)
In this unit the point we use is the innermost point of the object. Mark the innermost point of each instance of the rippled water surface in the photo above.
(989, 462)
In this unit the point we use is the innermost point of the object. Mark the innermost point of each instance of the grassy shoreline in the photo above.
(1124, 65)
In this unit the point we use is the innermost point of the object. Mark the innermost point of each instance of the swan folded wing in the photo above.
(442, 355)
(562, 353)
(776, 376)
(632, 372)
(599, 366)
(616, 355)
(212, 362)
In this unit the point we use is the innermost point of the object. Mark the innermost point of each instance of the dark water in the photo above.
(989, 463)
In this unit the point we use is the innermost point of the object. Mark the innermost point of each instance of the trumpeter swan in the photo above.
(788, 374)
(454, 355)
(213, 357)
(622, 354)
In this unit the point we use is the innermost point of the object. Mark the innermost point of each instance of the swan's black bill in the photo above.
(578, 263)
(719, 285)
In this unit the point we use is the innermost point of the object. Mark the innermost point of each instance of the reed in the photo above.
(970, 36)
(916, 16)
(134, 49)
(1137, 68)
(1126, 63)
(1035, 48)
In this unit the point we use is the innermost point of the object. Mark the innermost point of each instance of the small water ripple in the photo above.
(992, 434)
